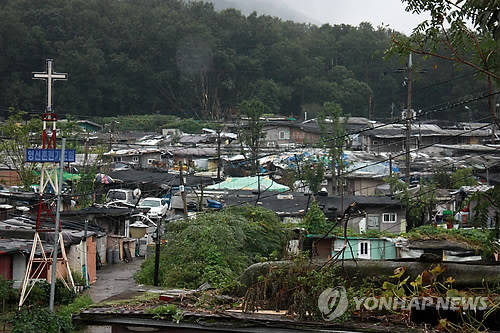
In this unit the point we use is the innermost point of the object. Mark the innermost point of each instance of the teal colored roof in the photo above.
(249, 184)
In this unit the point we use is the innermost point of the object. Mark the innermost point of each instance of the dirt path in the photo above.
(114, 280)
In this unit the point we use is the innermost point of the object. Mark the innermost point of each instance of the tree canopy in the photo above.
(187, 59)
(216, 247)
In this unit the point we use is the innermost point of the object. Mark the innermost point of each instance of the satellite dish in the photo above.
(137, 192)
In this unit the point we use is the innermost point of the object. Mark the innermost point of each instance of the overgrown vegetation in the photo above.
(215, 247)
(315, 221)
(454, 180)
(296, 287)
(36, 319)
(481, 240)
(168, 311)
(18, 135)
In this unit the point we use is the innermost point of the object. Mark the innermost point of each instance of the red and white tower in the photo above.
(49, 157)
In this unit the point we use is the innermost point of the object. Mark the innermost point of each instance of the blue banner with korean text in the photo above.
(38, 155)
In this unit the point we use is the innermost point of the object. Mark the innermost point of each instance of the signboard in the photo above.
(34, 155)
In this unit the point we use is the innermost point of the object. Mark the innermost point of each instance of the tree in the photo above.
(315, 220)
(313, 174)
(485, 41)
(448, 28)
(463, 177)
(233, 239)
(252, 133)
(18, 135)
(333, 138)
(419, 202)
(123, 59)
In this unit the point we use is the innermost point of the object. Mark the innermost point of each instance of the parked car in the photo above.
(125, 196)
(154, 207)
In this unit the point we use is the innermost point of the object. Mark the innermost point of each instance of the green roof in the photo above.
(250, 184)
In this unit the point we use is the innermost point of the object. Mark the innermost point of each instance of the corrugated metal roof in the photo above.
(250, 184)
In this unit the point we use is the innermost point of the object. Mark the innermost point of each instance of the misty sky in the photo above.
(353, 12)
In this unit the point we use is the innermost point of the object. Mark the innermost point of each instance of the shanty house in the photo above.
(379, 213)
(368, 248)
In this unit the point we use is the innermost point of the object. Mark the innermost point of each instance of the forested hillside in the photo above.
(171, 57)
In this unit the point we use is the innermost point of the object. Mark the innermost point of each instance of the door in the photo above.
(6, 266)
(364, 249)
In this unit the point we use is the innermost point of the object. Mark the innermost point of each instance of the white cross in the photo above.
(49, 76)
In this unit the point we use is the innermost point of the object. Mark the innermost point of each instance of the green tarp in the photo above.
(66, 175)
(250, 184)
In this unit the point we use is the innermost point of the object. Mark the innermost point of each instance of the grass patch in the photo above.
(80, 303)
(481, 240)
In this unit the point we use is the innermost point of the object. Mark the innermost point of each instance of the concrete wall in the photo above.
(18, 269)
(299, 136)
(273, 135)
(101, 243)
(363, 186)
(144, 158)
(360, 224)
(76, 258)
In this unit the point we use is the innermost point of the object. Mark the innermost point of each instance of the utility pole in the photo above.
(110, 145)
(218, 155)
(86, 156)
(408, 120)
(200, 203)
(85, 254)
(408, 70)
(157, 254)
(56, 231)
(258, 184)
(390, 165)
(181, 188)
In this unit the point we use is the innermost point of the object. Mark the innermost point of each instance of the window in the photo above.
(150, 203)
(150, 161)
(389, 217)
(364, 250)
(117, 158)
(284, 135)
(135, 159)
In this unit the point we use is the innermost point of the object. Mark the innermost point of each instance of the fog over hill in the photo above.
(286, 10)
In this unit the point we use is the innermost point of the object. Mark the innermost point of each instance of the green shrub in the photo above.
(7, 294)
(37, 320)
(79, 303)
(315, 221)
(40, 294)
(215, 247)
(78, 278)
